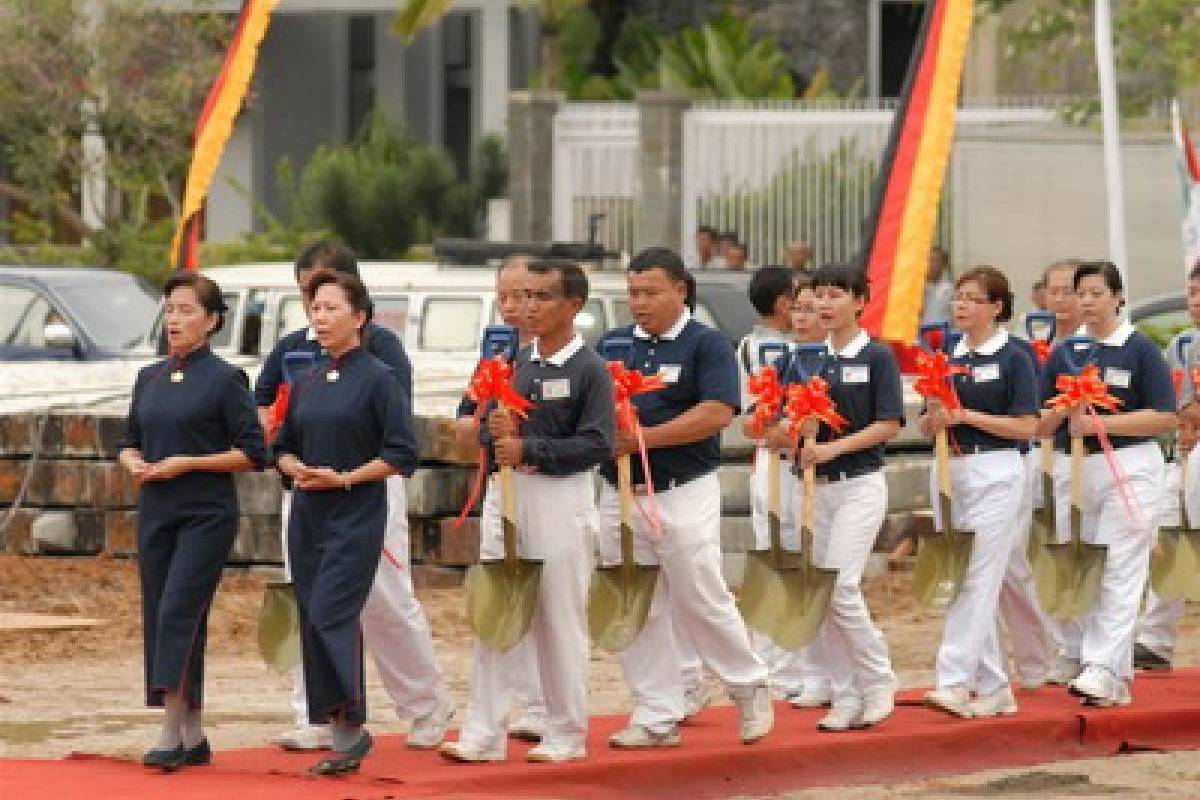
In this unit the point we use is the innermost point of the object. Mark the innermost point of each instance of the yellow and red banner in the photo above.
(215, 125)
(900, 231)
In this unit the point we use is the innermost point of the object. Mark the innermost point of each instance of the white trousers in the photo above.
(790, 670)
(1033, 636)
(394, 626)
(989, 490)
(556, 524)
(849, 647)
(691, 596)
(1158, 625)
(1105, 633)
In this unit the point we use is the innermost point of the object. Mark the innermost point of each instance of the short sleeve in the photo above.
(241, 420)
(132, 439)
(717, 372)
(1157, 390)
(270, 376)
(1022, 378)
(394, 415)
(889, 388)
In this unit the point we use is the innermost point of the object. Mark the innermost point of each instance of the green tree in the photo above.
(135, 76)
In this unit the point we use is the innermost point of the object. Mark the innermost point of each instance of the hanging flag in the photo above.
(215, 125)
(899, 232)
(1189, 178)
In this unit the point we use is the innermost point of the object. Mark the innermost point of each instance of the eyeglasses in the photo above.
(970, 298)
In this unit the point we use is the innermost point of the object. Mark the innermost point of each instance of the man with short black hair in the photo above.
(682, 424)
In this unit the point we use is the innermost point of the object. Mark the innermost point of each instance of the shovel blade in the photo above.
(1068, 577)
(765, 600)
(279, 626)
(941, 568)
(1041, 533)
(1175, 565)
(809, 590)
(501, 599)
(618, 604)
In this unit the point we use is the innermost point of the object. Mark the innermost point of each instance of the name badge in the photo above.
(670, 372)
(986, 372)
(856, 373)
(556, 389)
(1117, 377)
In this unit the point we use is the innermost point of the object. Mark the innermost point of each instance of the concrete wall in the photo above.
(1025, 198)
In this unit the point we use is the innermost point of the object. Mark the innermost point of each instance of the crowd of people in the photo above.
(344, 442)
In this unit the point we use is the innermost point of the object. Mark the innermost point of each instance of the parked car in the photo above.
(73, 313)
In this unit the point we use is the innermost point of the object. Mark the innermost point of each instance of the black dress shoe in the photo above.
(161, 756)
(1147, 659)
(347, 762)
(196, 756)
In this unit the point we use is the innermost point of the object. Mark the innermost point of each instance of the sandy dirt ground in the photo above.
(68, 691)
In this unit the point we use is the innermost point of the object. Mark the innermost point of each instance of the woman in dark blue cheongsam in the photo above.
(349, 427)
(191, 425)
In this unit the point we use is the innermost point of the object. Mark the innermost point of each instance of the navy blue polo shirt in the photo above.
(1001, 381)
(380, 342)
(1134, 371)
(865, 386)
(698, 365)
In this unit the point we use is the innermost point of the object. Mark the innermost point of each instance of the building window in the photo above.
(362, 70)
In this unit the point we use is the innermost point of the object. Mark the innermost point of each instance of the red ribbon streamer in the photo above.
(277, 413)
(934, 371)
(1041, 349)
(811, 400)
(627, 383)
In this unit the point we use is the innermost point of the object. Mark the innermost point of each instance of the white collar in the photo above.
(672, 332)
(853, 348)
(310, 334)
(562, 356)
(988, 348)
(1117, 338)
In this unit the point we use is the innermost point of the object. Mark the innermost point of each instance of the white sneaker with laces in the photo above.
(876, 707)
(305, 739)
(999, 703)
(639, 737)
(548, 753)
(811, 697)
(955, 700)
(841, 717)
(756, 714)
(468, 752)
(429, 730)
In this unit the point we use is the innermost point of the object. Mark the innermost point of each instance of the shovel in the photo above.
(1175, 563)
(1044, 530)
(768, 600)
(942, 556)
(811, 587)
(502, 594)
(1068, 574)
(279, 626)
(620, 595)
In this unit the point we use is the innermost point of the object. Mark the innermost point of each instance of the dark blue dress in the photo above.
(349, 412)
(198, 405)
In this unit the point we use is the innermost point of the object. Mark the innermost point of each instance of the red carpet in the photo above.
(914, 743)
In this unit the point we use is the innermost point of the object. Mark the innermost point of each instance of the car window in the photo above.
(451, 323)
(392, 313)
(1163, 325)
(31, 330)
(252, 323)
(291, 317)
(116, 310)
(222, 338)
(14, 300)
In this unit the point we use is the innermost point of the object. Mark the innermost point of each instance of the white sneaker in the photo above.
(756, 713)
(695, 700)
(305, 739)
(1065, 671)
(429, 730)
(956, 700)
(639, 737)
(840, 717)
(1121, 696)
(999, 703)
(1097, 686)
(468, 752)
(546, 753)
(811, 697)
(876, 707)
(527, 729)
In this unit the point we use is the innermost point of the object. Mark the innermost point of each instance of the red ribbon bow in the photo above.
(627, 383)
(1041, 349)
(768, 399)
(934, 371)
(1085, 388)
(493, 381)
(811, 400)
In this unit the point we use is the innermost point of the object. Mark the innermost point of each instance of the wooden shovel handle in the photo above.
(1048, 457)
(625, 504)
(941, 449)
(810, 488)
(1077, 471)
(508, 514)
(774, 461)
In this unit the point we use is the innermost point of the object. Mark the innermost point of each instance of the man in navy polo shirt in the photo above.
(682, 426)
(851, 498)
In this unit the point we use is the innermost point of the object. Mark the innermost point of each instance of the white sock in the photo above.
(174, 708)
(191, 730)
(345, 735)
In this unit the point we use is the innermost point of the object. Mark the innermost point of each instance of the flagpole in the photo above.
(1110, 115)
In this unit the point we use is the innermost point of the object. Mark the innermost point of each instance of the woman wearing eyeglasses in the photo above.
(1116, 513)
(996, 386)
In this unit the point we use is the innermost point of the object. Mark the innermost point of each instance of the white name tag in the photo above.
(856, 373)
(556, 389)
(670, 372)
(1117, 377)
(986, 372)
